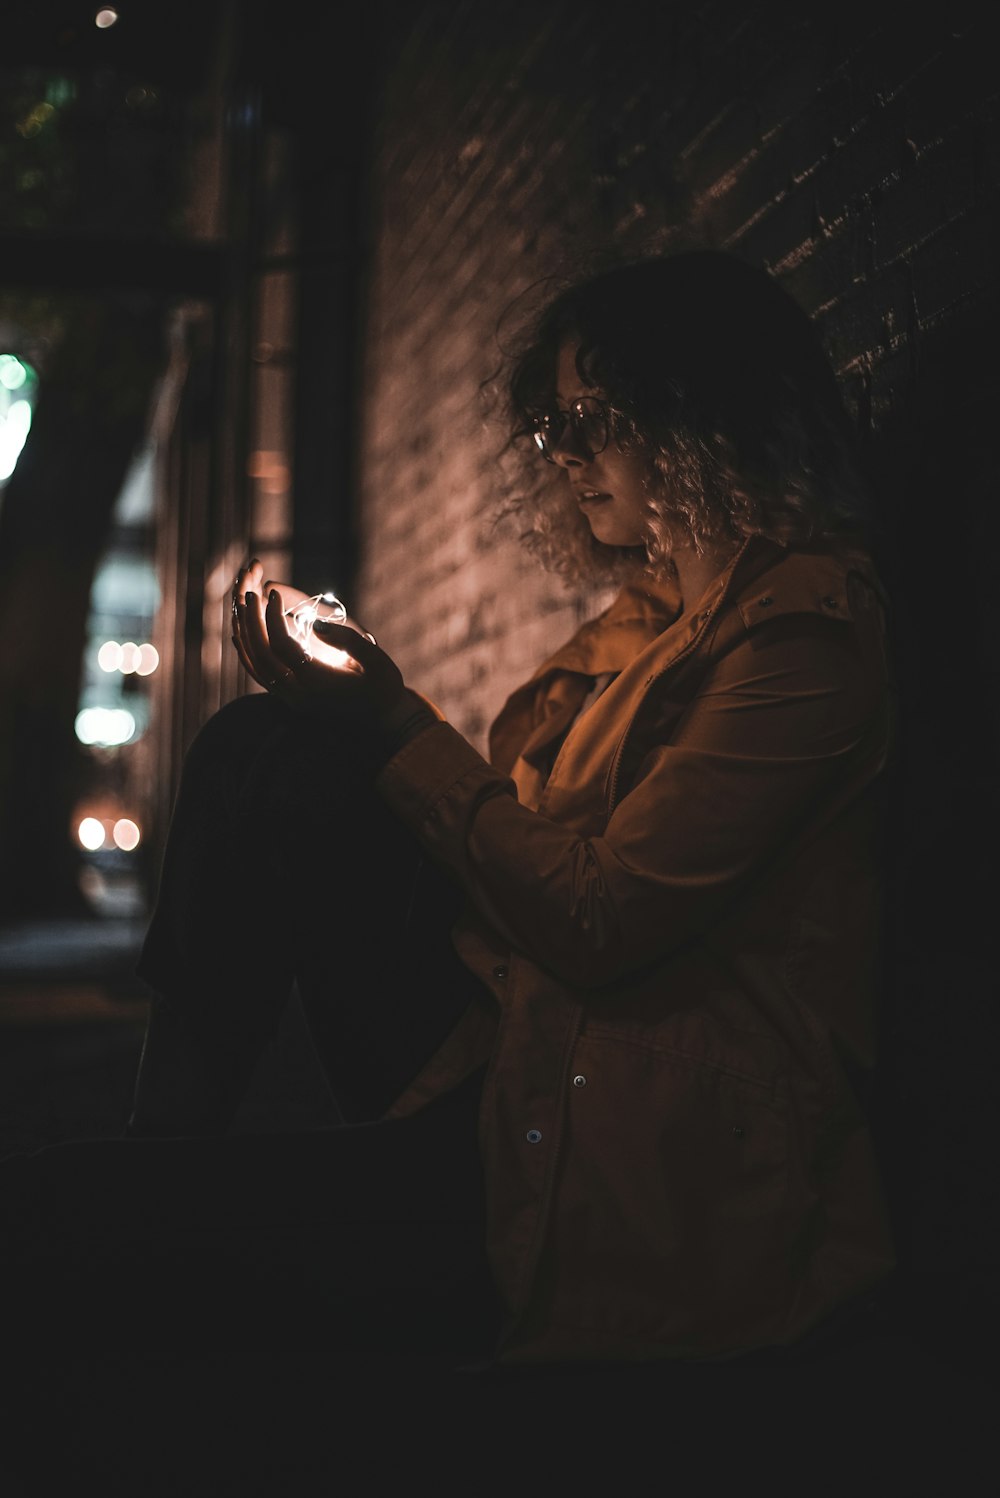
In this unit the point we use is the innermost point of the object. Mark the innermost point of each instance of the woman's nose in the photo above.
(568, 451)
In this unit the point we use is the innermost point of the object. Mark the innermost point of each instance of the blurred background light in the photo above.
(104, 727)
(18, 390)
(130, 658)
(12, 372)
(149, 659)
(15, 425)
(106, 16)
(91, 834)
(140, 660)
(126, 834)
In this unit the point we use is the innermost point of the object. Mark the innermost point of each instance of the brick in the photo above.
(866, 323)
(891, 384)
(940, 186)
(835, 263)
(957, 263)
(786, 232)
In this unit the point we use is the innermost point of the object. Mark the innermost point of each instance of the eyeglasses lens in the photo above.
(589, 422)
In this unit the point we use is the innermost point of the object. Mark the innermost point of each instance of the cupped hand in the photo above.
(354, 680)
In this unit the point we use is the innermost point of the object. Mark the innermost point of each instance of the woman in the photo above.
(639, 942)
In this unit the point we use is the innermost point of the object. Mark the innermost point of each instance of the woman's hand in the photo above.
(354, 682)
(262, 662)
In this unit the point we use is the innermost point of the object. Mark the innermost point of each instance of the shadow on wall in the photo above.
(937, 1106)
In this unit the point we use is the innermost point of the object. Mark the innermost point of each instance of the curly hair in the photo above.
(718, 379)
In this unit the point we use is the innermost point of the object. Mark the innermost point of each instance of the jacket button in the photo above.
(534, 1136)
(580, 1081)
(766, 601)
(500, 972)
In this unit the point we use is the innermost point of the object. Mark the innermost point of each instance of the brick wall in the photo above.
(852, 150)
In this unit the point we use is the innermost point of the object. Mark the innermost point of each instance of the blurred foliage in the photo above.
(94, 153)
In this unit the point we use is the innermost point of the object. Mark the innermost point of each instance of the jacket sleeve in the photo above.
(790, 721)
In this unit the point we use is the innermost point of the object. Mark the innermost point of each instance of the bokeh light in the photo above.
(104, 727)
(91, 833)
(12, 372)
(15, 425)
(126, 834)
(140, 660)
(149, 659)
(129, 658)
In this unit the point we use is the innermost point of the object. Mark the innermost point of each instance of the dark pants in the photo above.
(281, 866)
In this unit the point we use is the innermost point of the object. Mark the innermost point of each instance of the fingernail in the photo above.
(250, 597)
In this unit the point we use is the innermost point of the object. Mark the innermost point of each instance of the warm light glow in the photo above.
(126, 834)
(270, 470)
(104, 727)
(149, 659)
(106, 16)
(130, 658)
(302, 617)
(264, 464)
(109, 657)
(91, 833)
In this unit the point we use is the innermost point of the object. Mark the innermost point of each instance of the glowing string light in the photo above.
(303, 617)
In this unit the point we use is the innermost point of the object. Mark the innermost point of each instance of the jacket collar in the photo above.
(539, 711)
(640, 612)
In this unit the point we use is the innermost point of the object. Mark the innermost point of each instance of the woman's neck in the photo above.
(696, 570)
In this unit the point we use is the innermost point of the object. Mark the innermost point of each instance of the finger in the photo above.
(285, 641)
(270, 669)
(361, 646)
(258, 669)
(290, 597)
(245, 580)
(239, 585)
(245, 660)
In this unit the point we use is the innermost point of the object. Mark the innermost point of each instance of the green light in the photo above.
(13, 373)
(60, 92)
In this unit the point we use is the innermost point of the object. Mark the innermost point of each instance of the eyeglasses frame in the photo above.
(539, 438)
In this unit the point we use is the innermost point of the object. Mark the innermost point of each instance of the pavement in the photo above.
(907, 1404)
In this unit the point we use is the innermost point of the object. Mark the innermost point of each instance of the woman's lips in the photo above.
(592, 499)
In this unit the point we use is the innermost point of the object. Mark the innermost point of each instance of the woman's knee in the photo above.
(232, 739)
(251, 718)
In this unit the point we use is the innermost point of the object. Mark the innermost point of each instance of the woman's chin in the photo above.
(605, 530)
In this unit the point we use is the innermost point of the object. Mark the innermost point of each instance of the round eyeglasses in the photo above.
(589, 420)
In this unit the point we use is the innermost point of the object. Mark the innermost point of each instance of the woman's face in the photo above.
(608, 486)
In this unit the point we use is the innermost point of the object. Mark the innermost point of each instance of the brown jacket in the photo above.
(678, 920)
